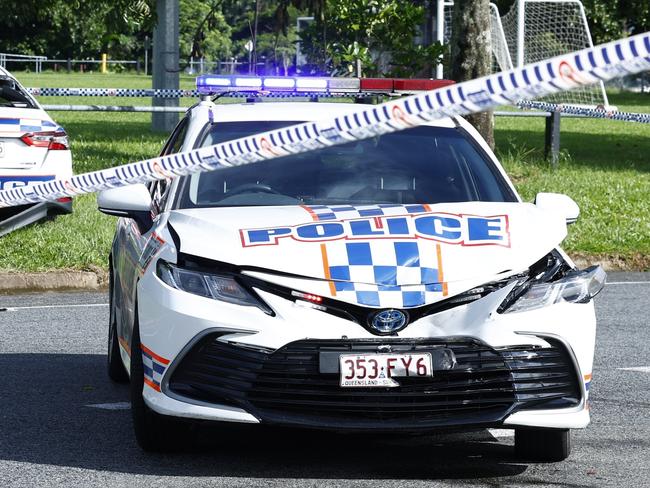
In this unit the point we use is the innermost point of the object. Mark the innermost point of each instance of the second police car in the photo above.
(33, 149)
(393, 284)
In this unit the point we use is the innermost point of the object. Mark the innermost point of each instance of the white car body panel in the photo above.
(21, 164)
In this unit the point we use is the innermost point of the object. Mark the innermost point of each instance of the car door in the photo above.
(130, 250)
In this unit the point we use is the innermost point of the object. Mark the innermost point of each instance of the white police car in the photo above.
(393, 284)
(33, 149)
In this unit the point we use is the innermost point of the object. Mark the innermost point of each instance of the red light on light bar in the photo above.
(377, 84)
(307, 296)
(422, 84)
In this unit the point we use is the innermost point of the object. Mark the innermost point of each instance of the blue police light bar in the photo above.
(287, 85)
(211, 84)
(279, 83)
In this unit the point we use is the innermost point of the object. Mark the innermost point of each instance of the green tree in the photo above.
(377, 35)
(204, 32)
(471, 56)
(56, 28)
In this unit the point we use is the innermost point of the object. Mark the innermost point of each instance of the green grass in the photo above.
(604, 166)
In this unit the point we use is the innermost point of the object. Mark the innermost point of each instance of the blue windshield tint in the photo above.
(419, 165)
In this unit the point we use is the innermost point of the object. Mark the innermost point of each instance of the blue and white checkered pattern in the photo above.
(339, 212)
(385, 273)
(112, 92)
(599, 113)
(27, 125)
(153, 369)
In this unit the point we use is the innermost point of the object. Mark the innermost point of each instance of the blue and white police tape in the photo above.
(599, 113)
(112, 92)
(604, 62)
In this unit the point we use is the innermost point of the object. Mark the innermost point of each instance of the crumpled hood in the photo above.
(376, 255)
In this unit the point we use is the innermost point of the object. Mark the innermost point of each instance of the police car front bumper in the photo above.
(209, 361)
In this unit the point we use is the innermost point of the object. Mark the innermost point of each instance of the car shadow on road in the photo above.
(47, 417)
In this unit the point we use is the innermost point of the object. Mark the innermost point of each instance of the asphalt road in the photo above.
(63, 423)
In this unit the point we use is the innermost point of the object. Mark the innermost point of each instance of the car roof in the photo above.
(286, 110)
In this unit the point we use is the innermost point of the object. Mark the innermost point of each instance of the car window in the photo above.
(160, 188)
(175, 141)
(419, 165)
(11, 95)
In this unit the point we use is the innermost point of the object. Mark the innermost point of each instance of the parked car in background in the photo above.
(33, 149)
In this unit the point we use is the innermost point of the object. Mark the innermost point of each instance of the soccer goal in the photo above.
(531, 31)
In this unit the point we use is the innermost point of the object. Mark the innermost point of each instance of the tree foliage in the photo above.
(380, 35)
(73, 29)
(204, 32)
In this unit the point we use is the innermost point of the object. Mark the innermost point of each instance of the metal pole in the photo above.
(440, 32)
(521, 10)
(147, 45)
(165, 62)
(552, 137)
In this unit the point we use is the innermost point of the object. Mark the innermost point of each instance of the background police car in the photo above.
(33, 149)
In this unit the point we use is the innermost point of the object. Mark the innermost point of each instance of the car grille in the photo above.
(286, 387)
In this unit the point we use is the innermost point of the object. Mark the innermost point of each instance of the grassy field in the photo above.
(605, 167)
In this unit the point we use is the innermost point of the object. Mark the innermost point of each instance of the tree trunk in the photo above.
(471, 54)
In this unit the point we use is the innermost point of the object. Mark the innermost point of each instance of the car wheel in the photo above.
(154, 432)
(116, 370)
(543, 445)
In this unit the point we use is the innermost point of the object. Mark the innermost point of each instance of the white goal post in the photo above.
(531, 31)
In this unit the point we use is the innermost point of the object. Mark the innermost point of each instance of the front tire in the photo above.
(154, 432)
(543, 445)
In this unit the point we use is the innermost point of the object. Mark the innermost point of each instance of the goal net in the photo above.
(534, 30)
(501, 59)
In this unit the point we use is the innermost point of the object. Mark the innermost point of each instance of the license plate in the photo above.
(2, 149)
(380, 370)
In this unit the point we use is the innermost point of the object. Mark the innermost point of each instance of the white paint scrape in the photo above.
(112, 406)
(501, 433)
(639, 369)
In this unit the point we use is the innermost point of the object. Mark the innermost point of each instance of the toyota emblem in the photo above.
(389, 321)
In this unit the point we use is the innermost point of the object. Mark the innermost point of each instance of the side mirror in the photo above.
(559, 204)
(133, 202)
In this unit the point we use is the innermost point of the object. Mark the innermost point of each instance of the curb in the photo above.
(18, 282)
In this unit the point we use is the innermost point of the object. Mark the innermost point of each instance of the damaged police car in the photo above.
(394, 284)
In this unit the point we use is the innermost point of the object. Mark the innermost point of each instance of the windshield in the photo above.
(418, 165)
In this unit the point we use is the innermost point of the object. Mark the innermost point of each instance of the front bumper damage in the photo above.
(230, 363)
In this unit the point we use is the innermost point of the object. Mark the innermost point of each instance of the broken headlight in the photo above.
(574, 287)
